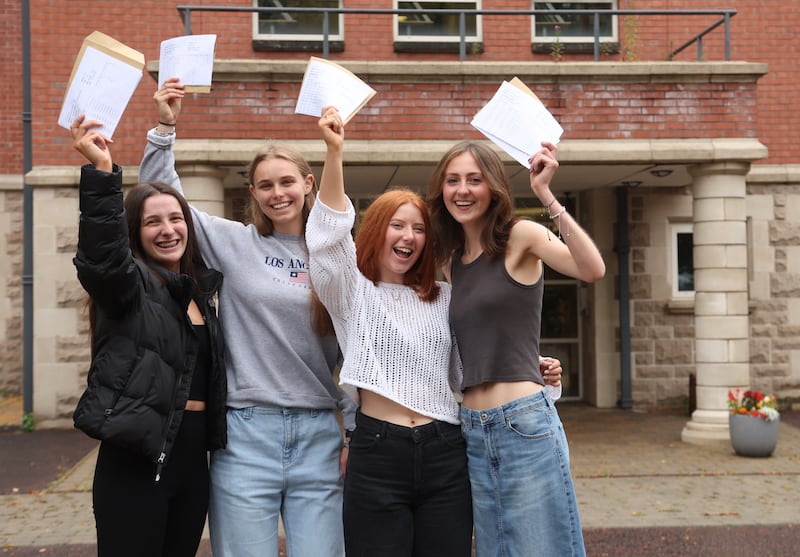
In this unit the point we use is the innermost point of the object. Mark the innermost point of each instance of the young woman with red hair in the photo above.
(406, 489)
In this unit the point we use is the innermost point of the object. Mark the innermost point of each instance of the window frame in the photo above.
(437, 39)
(612, 39)
(296, 38)
(677, 228)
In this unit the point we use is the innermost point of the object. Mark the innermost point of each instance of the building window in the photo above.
(574, 29)
(279, 30)
(682, 260)
(435, 28)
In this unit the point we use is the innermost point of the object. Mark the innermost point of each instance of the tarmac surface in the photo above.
(641, 490)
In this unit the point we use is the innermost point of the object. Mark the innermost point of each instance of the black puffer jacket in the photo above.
(144, 348)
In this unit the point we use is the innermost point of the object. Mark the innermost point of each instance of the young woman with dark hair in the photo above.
(156, 385)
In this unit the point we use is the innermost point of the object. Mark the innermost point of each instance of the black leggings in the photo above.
(137, 517)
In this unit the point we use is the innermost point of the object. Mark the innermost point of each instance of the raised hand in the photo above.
(168, 99)
(90, 143)
(332, 127)
(544, 164)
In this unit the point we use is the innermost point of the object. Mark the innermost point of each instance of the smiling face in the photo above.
(403, 245)
(280, 190)
(163, 231)
(465, 192)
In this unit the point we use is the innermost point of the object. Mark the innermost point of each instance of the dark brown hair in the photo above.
(191, 259)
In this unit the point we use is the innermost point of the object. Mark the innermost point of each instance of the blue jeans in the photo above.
(406, 491)
(278, 461)
(523, 498)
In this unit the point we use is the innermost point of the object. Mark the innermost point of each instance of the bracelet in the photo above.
(557, 216)
(551, 204)
(168, 125)
(163, 134)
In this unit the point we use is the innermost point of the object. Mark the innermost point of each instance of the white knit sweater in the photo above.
(393, 343)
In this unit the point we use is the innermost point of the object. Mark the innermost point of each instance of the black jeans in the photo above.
(407, 491)
(136, 516)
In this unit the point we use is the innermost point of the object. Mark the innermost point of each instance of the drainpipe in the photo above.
(27, 217)
(623, 251)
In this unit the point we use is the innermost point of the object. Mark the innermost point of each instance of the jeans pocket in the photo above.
(529, 425)
(364, 440)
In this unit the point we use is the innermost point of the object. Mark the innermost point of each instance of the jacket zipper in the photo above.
(162, 454)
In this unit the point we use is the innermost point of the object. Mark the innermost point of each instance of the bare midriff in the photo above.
(381, 408)
(492, 395)
(195, 405)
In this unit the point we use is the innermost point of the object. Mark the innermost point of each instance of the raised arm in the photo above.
(103, 259)
(577, 256)
(158, 163)
(331, 186)
(89, 142)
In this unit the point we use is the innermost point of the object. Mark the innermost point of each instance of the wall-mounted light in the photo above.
(661, 172)
(631, 183)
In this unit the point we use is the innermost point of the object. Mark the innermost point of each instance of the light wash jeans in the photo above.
(278, 461)
(523, 497)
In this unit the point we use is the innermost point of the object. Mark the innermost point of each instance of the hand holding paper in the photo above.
(103, 79)
(517, 121)
(190, 58)
(326, 83)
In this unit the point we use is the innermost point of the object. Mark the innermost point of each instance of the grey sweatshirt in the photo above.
(273, 356)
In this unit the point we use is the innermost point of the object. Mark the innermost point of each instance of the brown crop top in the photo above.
(496, 321)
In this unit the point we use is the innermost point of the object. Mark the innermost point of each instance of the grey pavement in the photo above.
(631, 470)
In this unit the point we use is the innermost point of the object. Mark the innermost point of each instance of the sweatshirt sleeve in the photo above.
(332, 256)
(213, 233)
(103, 260)
(158, 162)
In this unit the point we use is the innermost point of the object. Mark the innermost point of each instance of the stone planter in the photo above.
(751, 436)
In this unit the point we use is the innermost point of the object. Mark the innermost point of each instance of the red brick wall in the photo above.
(257, 110)
(11, 87)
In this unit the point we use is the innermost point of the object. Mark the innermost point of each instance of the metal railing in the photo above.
(725, 19)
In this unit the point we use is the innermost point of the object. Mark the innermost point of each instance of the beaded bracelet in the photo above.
(168, 125)
(558, 216)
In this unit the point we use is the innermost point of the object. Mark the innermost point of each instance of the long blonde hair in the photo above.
(320, 318)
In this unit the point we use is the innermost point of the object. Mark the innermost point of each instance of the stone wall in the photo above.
(774, 213)
(662, 332)
(662, 329)
(11, 286)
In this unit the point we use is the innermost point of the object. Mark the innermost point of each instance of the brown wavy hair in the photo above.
(320, 319)
(448, 234)
(371, 235)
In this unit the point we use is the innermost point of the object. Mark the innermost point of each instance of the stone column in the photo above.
(203, 187)
(722, 350)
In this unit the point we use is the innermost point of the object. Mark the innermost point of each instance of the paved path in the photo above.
(631, 471)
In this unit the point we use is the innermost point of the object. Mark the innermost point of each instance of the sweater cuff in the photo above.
(159, 140)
